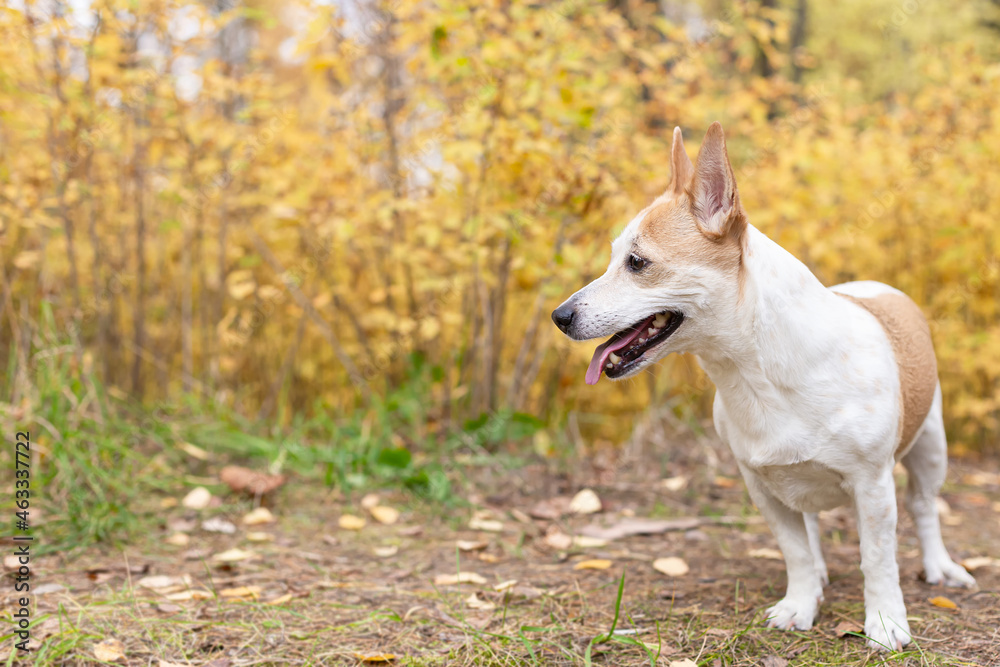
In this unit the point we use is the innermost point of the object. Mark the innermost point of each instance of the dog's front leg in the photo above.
(797, 610)
(885, 612)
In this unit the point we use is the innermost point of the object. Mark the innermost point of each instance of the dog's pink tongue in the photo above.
(604, 351)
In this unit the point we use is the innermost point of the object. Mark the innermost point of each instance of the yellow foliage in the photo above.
(286, 187)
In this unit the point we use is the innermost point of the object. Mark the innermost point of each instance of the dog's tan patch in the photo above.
(669, 236)
(910, 337)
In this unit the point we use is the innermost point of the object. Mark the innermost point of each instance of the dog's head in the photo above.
(674, 278)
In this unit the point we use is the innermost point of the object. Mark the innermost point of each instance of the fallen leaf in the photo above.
(674, 484)
(254, 536)
(475, 602)
(558, 540)
(386, 552)
(109, 650)
(520, 516)
(167, 608)
(972, 564)
(505, 585)
(378, 657)
(471, 545)
(232, 556)
(369, 501)
(683, 663)
(179, 539)
(460, 578)
(287, 597)
(219, 525)
(243, 479)
(672, 566)
(197, 498)
(184, 596)
(193, 451)
(489, 525)
(774, 661)
(638, 526)
(724, 482)
(11, 562)
(241, 592)
(593, 564)
(168, 503)
(258, 516)
(848, 628)
(585, 502)
(488, 557)
(765, 552)
(585, 542)
(164, 663)
(180, 525)
(45, 589)
(943, 602)
(351, 522)
(163, 581)
(384, 515)
(550, 509)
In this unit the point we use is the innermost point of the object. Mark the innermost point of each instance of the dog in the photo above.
(819, 391)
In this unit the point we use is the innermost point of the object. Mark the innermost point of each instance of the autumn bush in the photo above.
(286, 210)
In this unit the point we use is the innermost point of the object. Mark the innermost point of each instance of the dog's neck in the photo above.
(772, 335)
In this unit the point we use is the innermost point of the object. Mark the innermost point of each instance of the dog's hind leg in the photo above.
(812, 528)
(926, 464)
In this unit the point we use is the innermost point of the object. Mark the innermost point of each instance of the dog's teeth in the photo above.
(642, 341)
(660, 321)
(653, 331)
(609, 365)
(614, 358)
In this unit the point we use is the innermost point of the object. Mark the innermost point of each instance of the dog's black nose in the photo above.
(563, 316)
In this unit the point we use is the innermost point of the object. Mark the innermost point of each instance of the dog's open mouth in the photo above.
(624, 350)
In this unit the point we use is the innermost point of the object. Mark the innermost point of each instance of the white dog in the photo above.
(819, 391)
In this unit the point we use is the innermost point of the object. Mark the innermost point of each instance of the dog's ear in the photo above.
(681, 169)
(715, 201)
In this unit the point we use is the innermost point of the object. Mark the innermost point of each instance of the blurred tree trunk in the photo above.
(799, 32)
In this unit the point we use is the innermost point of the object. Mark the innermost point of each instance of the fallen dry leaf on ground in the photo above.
(585, 502)
(765, 552)
(109, 650)
(219, 525)
(184, 596)
(164, 663)
(943, 602)
(241, 592)
(287, 597)
(254, 536)
(351, 522)
(258, 516)
(249, 481)
(972, 564)
(674, 484)
(386, 552)
(683, 663)
(774, 661)
(471, 545)
(384, 514)
(593, 564)
(460, 578)
(585, 542)
(505, 585)
(197, 498)
(369, 501)
(638, 526)
(378, 657)
(558, 540)
(845, 628)
(671, 566)
(179, 539)
(489, 525)
(550, 509)
(232, 556)
(475, 602)
(163, 581)
(11, 562)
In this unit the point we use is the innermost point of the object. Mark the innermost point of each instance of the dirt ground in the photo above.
(303, 590)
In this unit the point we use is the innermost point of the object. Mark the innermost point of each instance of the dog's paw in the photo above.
(887, 631)
(793, 614)
(949, 573)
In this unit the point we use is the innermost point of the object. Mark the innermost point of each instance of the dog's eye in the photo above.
(636, 263)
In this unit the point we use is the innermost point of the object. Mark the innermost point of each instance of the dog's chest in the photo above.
(806, 487)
